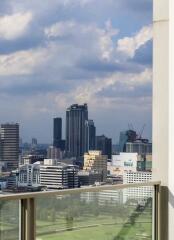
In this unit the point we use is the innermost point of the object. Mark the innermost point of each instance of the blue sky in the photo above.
(57, 52)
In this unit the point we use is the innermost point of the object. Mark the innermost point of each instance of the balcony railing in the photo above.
(114, 212)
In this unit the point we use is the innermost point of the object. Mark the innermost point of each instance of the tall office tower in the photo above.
(90, 134)
(57, 132)
(104, 144)
(33, 142)
(10, 145)
(126, 136)
(76, 115)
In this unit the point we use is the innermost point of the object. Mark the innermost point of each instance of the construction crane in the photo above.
(141, 132)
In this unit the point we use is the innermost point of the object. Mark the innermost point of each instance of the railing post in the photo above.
(156, 211)
(28, 219)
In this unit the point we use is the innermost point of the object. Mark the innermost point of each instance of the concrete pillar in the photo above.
(163, 111)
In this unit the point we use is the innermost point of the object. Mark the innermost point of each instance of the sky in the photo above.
(54, 53)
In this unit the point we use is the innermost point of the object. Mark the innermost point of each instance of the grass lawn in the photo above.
(135, 232)
(90, 222)
(94, 233)
(140, 230)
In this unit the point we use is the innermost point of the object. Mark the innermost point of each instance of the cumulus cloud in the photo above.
(60, 29)
(22, 62)
(129, 45)
(88, 33)
(15, 25)
(91, 91)
(69, 54)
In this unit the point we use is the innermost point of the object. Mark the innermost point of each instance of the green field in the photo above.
(102, 227)
(72, 218)
(116, 232)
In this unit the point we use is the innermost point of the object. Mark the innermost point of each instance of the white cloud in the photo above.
(86, 93)
(106, 42)
(98, 40)
(22, 62)
(90, 92)
(129, 45)
(60, 29)
(14, 26)
(75, 2)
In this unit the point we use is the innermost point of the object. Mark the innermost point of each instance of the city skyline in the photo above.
(74, 52)
(139, 133)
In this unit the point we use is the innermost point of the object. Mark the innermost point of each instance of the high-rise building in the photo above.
(57, 132)
(34, 142)
(9, 146)
(104, 144)
(76, 115)
(95, 161)
(126, 136)
(139, 146)
(90, 134)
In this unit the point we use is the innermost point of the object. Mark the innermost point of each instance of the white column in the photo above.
(163, 110)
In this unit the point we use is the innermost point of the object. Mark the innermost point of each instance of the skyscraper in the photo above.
(9, 145)
(33, 142)
(76, 115)
(126, 136)
(57, 132)
(90, 133)
(104, 144)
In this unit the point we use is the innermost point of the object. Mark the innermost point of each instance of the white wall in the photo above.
(128, 161)
(163, 111)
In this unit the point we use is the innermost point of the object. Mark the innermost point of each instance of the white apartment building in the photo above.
(54, 177)
(57, 175)
(139, 193)
(29, 175)
(111, 197)
(105, 197)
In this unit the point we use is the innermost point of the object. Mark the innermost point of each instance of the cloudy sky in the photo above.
(57, 52)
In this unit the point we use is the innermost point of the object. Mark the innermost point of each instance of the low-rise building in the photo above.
(29, 175)
(31, 159)
(57, 175)
(137, 193)
(12, 180)
(122, 162)
(95, 161)
(87, 178)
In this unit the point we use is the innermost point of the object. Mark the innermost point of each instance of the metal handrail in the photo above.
(27, 207)
(27, 195)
